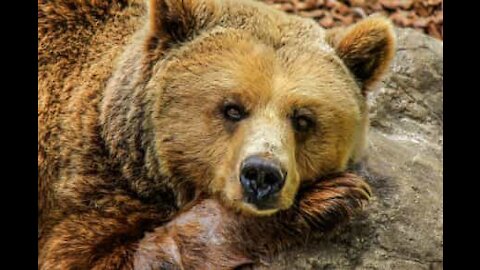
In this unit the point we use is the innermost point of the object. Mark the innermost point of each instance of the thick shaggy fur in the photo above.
(137, 169)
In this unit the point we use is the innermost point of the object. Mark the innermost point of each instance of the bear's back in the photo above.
(77, 43)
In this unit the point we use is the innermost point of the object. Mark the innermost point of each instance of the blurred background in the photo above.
(423, 15)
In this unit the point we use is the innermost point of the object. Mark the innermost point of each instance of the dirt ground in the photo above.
(424, 15)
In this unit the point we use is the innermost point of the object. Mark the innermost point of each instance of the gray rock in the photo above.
(403, 226)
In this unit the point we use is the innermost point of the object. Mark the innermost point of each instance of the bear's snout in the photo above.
(261, 180)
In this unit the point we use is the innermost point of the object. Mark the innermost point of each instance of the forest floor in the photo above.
(424, 15)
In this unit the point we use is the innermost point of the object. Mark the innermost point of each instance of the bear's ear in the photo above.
(366, 48)
(175, 21)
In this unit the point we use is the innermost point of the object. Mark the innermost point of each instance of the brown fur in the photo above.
(131, 139)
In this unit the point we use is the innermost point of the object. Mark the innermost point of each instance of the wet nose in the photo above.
(261, 179)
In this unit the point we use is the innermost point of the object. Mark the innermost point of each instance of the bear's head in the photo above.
(250, 103)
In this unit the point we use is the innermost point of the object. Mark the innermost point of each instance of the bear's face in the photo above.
(250, 119)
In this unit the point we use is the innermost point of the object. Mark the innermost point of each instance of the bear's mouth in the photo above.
(269, 204)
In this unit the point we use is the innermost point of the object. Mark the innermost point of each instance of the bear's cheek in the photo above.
(187, 149)
(326, 153)
(226, 171)
(316, 159)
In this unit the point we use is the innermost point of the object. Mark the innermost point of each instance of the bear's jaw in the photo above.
(251, 209)
(239, 204)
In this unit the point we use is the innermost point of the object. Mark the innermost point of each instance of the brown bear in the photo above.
(196, 134)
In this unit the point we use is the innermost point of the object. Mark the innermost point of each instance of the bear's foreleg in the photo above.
(205, 236)
(319, 208)
(208, 236)
(96, 240)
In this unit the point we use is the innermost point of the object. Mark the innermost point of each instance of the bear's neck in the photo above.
(125, 117)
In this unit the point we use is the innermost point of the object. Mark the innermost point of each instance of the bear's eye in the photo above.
(302, 122)
(234, 112)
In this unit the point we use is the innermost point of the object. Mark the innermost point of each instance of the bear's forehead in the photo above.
(255, 64)
(294, 63)
(256, 74)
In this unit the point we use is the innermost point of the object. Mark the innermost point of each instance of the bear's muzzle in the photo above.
(261, 179)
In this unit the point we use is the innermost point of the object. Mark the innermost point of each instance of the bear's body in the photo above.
(138, 168)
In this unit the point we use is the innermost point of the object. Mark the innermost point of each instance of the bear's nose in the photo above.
(261, 179)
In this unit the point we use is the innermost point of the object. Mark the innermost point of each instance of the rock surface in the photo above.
(403, 226)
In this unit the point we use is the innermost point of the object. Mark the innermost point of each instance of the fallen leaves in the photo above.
(425, 15)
